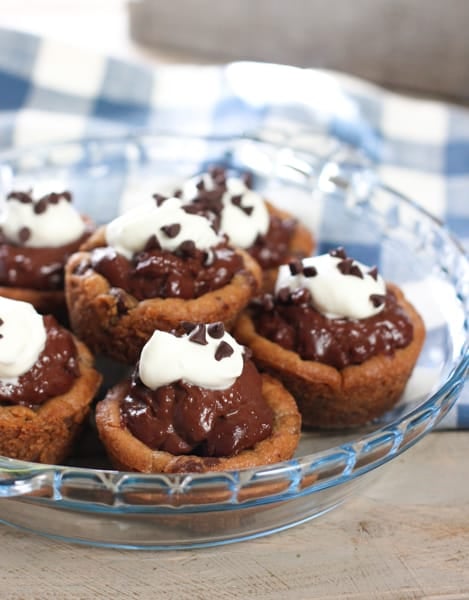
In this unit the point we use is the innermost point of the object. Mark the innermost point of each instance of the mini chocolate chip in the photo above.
(198, 335)
(345, 266)
(284, 295)
(52, 198)
(224, 350)
(177, 194)
(67, 196)
(377, 299)
(356, 271)
(159, 199)
(22, 197)
(216, 330)
(152, 244)
(122, 300)
(247, 210)
(1, 335)
(295, 266)
(338, 252)
(188, 248)
(200, 185)
(188, 326)
(236, 200)
(310, 271)
(1, 322)
(373, 272)
(171, 230)
(40, 206)
(24, 234)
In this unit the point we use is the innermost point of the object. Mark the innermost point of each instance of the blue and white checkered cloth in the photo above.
(49, 92)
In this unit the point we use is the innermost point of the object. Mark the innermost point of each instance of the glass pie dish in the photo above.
(334, 191)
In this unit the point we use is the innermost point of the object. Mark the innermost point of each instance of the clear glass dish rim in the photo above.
(19, 478)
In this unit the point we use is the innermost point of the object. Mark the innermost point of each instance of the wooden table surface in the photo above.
(405, 536)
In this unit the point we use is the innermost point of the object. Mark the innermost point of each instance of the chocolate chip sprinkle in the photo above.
(338, 252)
(310, 271)
(172, 230)
(216, 330)
(24, 234)
(188, 326)
(198, 335)
(159, 199)
(200, 185)
(188, 248)
(347, 267)
(152, 244)
(236, 200)
(1, 321)
(377, 300)
(373, 272)
(224, 350)
(295, 266)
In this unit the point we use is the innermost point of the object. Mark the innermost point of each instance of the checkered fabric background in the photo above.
(49, 92)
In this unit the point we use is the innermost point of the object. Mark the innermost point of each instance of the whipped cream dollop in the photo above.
(244, 214)
(207, 357)
(169, 223)
(340, 287)
(22, 337)
(40, 220)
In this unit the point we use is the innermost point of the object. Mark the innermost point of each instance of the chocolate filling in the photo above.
(156, 273)
(53, 373)
(35, 268)
(294, 324)
(185, 419)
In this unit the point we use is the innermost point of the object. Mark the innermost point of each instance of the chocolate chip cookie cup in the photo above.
(47, 383)
(342, 341)
(196, 403)
(270, 235)
(38, 232)
(153, 268)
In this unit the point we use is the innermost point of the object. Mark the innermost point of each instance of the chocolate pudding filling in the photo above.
(181, 418)
(294, 324)
(155, 273)
(53, 373)
(35, 268)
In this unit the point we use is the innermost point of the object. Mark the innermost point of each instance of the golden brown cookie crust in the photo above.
(130, 454)
(302, 244)
(45, 435)
(98, 318)
(329, 398)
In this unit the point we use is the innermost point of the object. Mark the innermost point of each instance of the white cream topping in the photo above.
(332, 293)
(57, 225)
(241, 226)
(130, 232)
(23, 337)
(166, 358)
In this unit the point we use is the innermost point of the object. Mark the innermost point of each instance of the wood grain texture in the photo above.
(405, 537)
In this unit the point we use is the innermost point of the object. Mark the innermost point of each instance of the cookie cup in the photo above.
(128, 453)
(46, 434)
(113, 322)
(329, 398)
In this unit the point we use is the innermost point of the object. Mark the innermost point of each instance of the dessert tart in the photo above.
(341, 339)
(270, 235)
(38, 232)
(152, 268)
(47, 383)
(194, 403)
